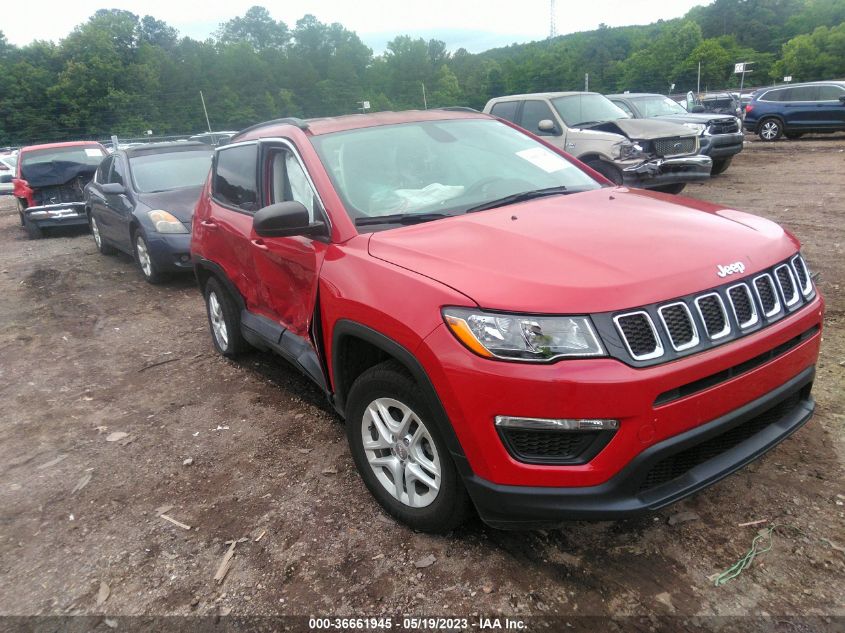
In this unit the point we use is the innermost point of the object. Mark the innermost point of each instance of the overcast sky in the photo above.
(474, 25)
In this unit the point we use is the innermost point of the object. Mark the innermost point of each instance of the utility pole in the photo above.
(207, 122)
(425, 102)
(586, 82)
(552, 20)
(698, 86)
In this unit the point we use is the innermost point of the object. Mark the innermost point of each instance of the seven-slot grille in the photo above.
(727, 312)
(676, 146)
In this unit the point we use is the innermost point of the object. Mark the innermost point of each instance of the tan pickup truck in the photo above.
(635, 152)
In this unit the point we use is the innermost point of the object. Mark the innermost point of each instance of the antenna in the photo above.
(552, 24)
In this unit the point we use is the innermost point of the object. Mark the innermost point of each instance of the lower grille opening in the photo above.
(547, 446)
(680, 463)
(726, 374)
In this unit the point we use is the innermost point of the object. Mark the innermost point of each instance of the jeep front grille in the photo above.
(664, 331)
(676, 146)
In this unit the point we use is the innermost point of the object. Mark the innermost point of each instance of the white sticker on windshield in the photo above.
(93, 152)
(544, 159)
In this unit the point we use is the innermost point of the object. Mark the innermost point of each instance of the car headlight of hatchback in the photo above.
(627, 150)
(697, 127)
(523, 337)
(165, 222)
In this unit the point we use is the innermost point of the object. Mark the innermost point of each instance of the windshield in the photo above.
(439, 167)
(658, 106)
(582, 109)
(162, 172)
(83, 155)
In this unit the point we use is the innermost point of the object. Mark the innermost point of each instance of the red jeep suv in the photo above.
(500, 326)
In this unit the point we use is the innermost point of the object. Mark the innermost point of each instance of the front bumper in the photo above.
(722, 145)
(66, 214)
(171, 252)
(667, 171)
(647, 483)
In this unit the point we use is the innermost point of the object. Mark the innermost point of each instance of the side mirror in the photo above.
(842, 99)
(113, 189)
(697, 109)
(285, 219)
(547, 125)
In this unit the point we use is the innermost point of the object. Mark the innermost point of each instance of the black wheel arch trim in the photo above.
(347, 328)
(202, 264)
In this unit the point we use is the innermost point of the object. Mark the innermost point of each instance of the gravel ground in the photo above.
(249, 449)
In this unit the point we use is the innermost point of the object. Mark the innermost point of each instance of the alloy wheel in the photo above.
(95, 230)
(143, 256)
(218, 323)
(770, 130)
(401, 452)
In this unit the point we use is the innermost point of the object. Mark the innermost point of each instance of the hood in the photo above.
(643, 129)
(695, 117)
(596, 251)
(180, 202)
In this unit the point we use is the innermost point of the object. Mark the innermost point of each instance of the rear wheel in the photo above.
(223, 319)
(678, 187)
(102, 246)
(770, 130)
(145, 260)
(720, 165)
(399, 452)
(611, 172)
(21, 208)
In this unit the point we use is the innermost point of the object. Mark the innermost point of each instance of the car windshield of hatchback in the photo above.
(589, 109)
(82, 155)
(431, 169)
(658, 106)
(153, 173)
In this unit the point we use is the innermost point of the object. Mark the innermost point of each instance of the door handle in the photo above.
(209, 224)
(259, 244)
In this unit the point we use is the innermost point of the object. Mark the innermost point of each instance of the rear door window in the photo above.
(505, 110)
(235, 181)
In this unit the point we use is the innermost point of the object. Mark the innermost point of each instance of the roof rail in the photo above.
(300, 123)
(458, 109)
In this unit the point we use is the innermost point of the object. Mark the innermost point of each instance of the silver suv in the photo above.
(635, 152)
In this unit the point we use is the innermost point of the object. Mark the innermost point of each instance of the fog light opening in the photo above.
(556, 424)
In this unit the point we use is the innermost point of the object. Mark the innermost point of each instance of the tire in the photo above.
(770, 129)
(224, 319)
(102, 245)
(21, 208)
(387, 392)
(611, 172)
(33, 230)
(676, 188)
(145, 261)
(720, 165)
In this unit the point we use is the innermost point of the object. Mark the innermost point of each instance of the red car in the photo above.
(500, 326)
(49, 184)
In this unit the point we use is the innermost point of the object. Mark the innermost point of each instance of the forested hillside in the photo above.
(121, 74)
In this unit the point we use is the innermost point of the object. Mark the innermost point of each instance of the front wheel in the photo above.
(399, 452)
(678, 187)
(223, 319)
(611, 172)
(770, 130)
(145, 259)
(720, 165)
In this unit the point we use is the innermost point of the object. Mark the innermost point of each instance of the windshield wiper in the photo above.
(519, 197)
(400, 218)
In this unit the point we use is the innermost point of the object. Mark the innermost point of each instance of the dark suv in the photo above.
(794, 110)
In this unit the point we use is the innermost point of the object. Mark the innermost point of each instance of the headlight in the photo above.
(698, 127)
(165, 222)
(523, 337)
(627, 150)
